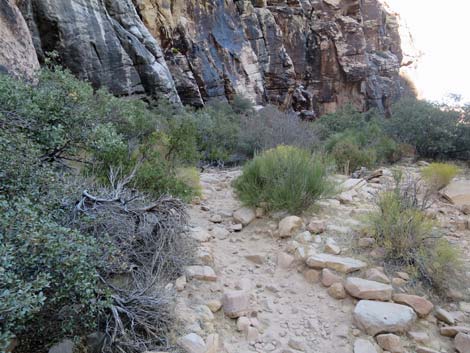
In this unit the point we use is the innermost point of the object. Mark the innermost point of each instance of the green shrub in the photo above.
(270, 127)
(284, 178)
(434, 130)
(217, 131)
(410, 239)
(439, 175)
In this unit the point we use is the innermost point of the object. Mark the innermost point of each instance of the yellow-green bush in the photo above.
(412, 240)
(439, 175)
(284, 178)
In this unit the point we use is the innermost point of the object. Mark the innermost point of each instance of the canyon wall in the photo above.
(309, 55)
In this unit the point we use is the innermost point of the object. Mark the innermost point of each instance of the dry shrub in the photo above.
(148, 248)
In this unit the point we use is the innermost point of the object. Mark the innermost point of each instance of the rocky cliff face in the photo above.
(311, 55)
(17, 55)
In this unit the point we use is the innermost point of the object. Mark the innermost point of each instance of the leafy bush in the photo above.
(217, 131)
(270, 127)
(439, 175)
(284, 178)
(410, 238)
(435, 130)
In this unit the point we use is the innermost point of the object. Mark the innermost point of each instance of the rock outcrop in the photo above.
(309, 55)
(17, 54)
(103, 41)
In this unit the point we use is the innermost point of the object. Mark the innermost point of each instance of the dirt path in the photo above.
(290, 310)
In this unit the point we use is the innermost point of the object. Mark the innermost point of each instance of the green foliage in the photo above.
(439, 175)
(434, 130)
(284, 178)
(241, 105)
(217, 131)
(410, 238)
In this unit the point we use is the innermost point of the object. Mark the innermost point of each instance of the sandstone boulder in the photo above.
(192, 343)
(365, 289)
(328, 278)
(390, 342)
(337, 263)
(337, 291)
(290, 226)
(244, 216)
(236, 303)
(452, 331)
(445, 316)
(462, 343)
(458, 192)
(421, 305)
(203, 273)
(378, 317)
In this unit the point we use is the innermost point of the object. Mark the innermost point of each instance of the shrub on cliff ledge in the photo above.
(284, 178)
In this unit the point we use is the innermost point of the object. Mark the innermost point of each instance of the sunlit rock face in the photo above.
(17, 54)
(309, 55)
(313, 56)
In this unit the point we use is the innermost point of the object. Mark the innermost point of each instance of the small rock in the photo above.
(243, 323)
(338, 263)
(419, 337)
(236, 304)
(462, 343)
(366, 242)
(192, 343)
(452, 331)
(403, 275)
(331, 247)
(200, 234)
(203, 273)
(398, 282)
(212, 343)
(66, 346)
(236, 227)
(255, 258)
(180, 283)
(328, 277)
(214, 305)
(216, 218)
(378, 317)
(220, 233)
(289, 226)
(375, 274)
(337, 291)
(421, 305)
(311, 276)
(316, 227)
(204, 313)
(285, 260)
(296, 344)
(364, 346)
(465, 307)
(252, 334)
(390, 342)
(304, 237)
(445, 316)
(365, 289)
(244, 216)
(259, 212)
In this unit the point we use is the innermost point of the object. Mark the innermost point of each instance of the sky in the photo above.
(441, 31)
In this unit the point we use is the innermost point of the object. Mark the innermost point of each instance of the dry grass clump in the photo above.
(439, 175)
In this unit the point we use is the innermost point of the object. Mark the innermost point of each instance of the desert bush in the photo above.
(433, 129)
(242, 105)
(439, 175)
(270, 127)
(410, 239)
(284, 178)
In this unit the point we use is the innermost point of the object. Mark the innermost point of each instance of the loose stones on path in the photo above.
(364, 346)
(390, 343)
(378, 317)
(365, 289)
(203, 273)
(290, 226)
(236, 303)
(452, 331)
(338, 263)
(445, 316)
(244, 216)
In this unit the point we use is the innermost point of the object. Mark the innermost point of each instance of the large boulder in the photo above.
(378, 317)
(338, 263)
(365, 289)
